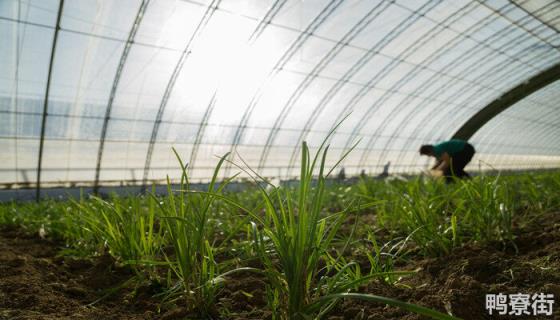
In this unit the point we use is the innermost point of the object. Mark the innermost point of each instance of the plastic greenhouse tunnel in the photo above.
(279, 159)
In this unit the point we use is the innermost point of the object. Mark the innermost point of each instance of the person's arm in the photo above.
(444, 162)
(438, 162)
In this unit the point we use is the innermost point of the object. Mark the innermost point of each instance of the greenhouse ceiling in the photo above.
(97, 92)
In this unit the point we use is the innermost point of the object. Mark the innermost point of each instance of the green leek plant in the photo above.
(537, 193)
(422, 211)
(439, 217)
(487, 209)
(293, 241)
(187, 216)
(382, 258)
(126, 226)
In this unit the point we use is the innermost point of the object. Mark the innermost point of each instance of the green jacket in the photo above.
(452, 147)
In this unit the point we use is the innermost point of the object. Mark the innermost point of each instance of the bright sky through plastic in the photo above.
(262, 76)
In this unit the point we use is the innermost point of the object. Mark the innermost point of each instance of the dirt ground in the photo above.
(36, 283)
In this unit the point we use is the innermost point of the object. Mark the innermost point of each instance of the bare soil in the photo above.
(37, 283)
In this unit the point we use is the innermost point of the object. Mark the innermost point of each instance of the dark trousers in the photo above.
(458, 163)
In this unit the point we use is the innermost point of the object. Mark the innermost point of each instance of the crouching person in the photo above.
(451, 157)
